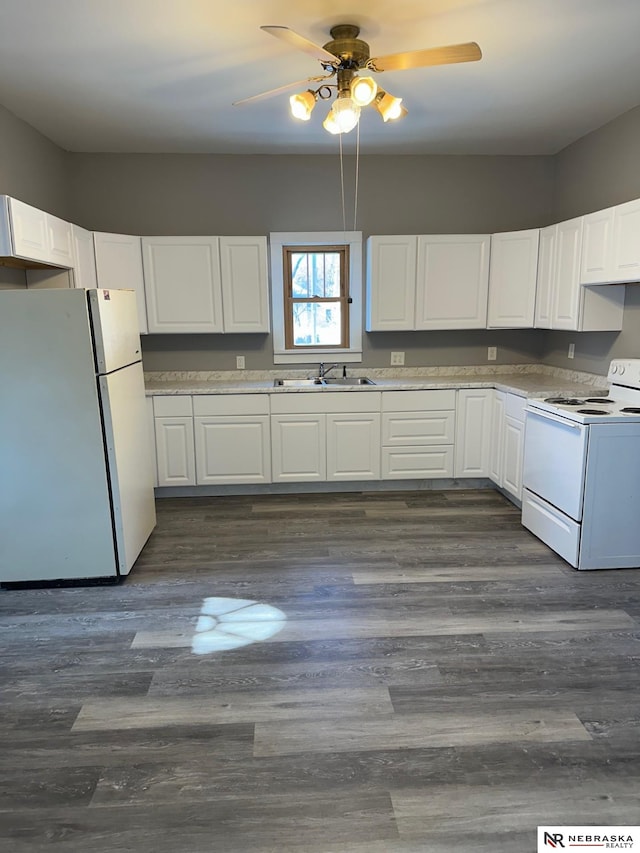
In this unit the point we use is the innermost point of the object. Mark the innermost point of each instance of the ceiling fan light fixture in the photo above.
(363, 90)
(388, 106)
(330, 124)
(346, 113)
(302, 105)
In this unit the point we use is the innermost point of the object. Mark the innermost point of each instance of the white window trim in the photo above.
(352, 239)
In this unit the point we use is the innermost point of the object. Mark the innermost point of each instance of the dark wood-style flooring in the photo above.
(443, 682)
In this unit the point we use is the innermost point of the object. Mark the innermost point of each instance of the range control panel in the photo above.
(625, 371)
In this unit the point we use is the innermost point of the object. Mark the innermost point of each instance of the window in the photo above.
(316, 294)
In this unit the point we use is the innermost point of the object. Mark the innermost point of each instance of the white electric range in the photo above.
(581, 473)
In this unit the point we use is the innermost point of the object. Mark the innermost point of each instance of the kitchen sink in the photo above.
(323, 383)
(297, 382)
(348, 380)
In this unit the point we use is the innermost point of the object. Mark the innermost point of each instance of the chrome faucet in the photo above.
(322, 370)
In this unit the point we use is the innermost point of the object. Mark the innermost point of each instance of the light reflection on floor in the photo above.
(228, 623)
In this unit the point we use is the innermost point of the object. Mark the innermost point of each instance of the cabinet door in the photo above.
(151, 425)
(566, 280)
(497, 438)
(353, 446)
(119, 267)
(298, 448)
(546, 272)
(473, 428)
(59, 242)
(597, 244)
(30, 234)
(452, 281)
(391, 283)
(84, 258)
(175, 451)
(513, 456)
(232, 449)
(245, 294)
(625, 264)
(513, 273)
(182, 284)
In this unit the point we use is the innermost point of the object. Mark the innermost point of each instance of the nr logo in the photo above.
(553, 839)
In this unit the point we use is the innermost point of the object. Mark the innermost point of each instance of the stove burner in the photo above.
(591, 412)
(565, 401)
(634, 410)
(607, 401)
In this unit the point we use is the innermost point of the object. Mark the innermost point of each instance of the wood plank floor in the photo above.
(439, 680)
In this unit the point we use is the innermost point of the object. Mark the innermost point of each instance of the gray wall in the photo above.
(597, 171)
(215, 194)
(32, 168)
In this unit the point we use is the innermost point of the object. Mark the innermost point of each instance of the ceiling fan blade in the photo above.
(263, 95)
(468, 52)
(301, 43)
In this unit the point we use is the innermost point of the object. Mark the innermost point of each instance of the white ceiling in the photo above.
(161, 75)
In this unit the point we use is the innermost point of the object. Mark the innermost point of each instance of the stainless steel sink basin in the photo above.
(297, 382)
(348, 380)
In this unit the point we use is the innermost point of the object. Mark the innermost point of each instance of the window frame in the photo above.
(308, 240)
(342, 300)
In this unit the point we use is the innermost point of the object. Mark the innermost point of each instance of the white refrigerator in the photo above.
(76, 475)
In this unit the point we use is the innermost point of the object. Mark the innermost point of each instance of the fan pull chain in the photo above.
(344, 210)
(355, 201)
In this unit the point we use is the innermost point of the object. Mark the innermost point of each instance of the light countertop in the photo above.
(524, 380)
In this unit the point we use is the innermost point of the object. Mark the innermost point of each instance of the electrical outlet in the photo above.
(572, 351)
(240, 362)
(397, 359)
(492, 353)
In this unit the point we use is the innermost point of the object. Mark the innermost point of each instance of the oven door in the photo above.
(555, 453)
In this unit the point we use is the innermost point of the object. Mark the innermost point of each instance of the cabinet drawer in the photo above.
(175, 405)
(325, 402)
(515, 406)
(230, 404)
(415, 463)
(556, 530)
(418, 401)
(417, 428)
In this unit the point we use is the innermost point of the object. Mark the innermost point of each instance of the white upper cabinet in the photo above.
(597, 242)
(33, 235)
(206, 284)
(182, 284)
(452, 281)
(119, 267)
(391, 283)
(626, 242)
(566, 291)
(611, 245)
(245, 292)
(512, 279)
(562, 302)
(84, 258)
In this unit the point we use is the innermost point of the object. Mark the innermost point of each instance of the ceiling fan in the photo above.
(343, 57)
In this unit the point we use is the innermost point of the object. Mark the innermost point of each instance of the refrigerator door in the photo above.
(115, 328)
(130, 461)
(55, 515)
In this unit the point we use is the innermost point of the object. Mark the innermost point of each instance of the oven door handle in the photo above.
(549, 417)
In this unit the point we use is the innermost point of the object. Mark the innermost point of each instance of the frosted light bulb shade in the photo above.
(363, 90)
(347, 114)
(389, 107)
(330, 122)
(302, 105)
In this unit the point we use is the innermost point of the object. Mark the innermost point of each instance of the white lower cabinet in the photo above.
(325, 436)
(473, 432)
(507, 442)
(232, 439)
(418, 432)
(175, 452)
(353, 446)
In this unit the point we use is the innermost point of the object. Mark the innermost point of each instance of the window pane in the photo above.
(315, 274)
(316, 324)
